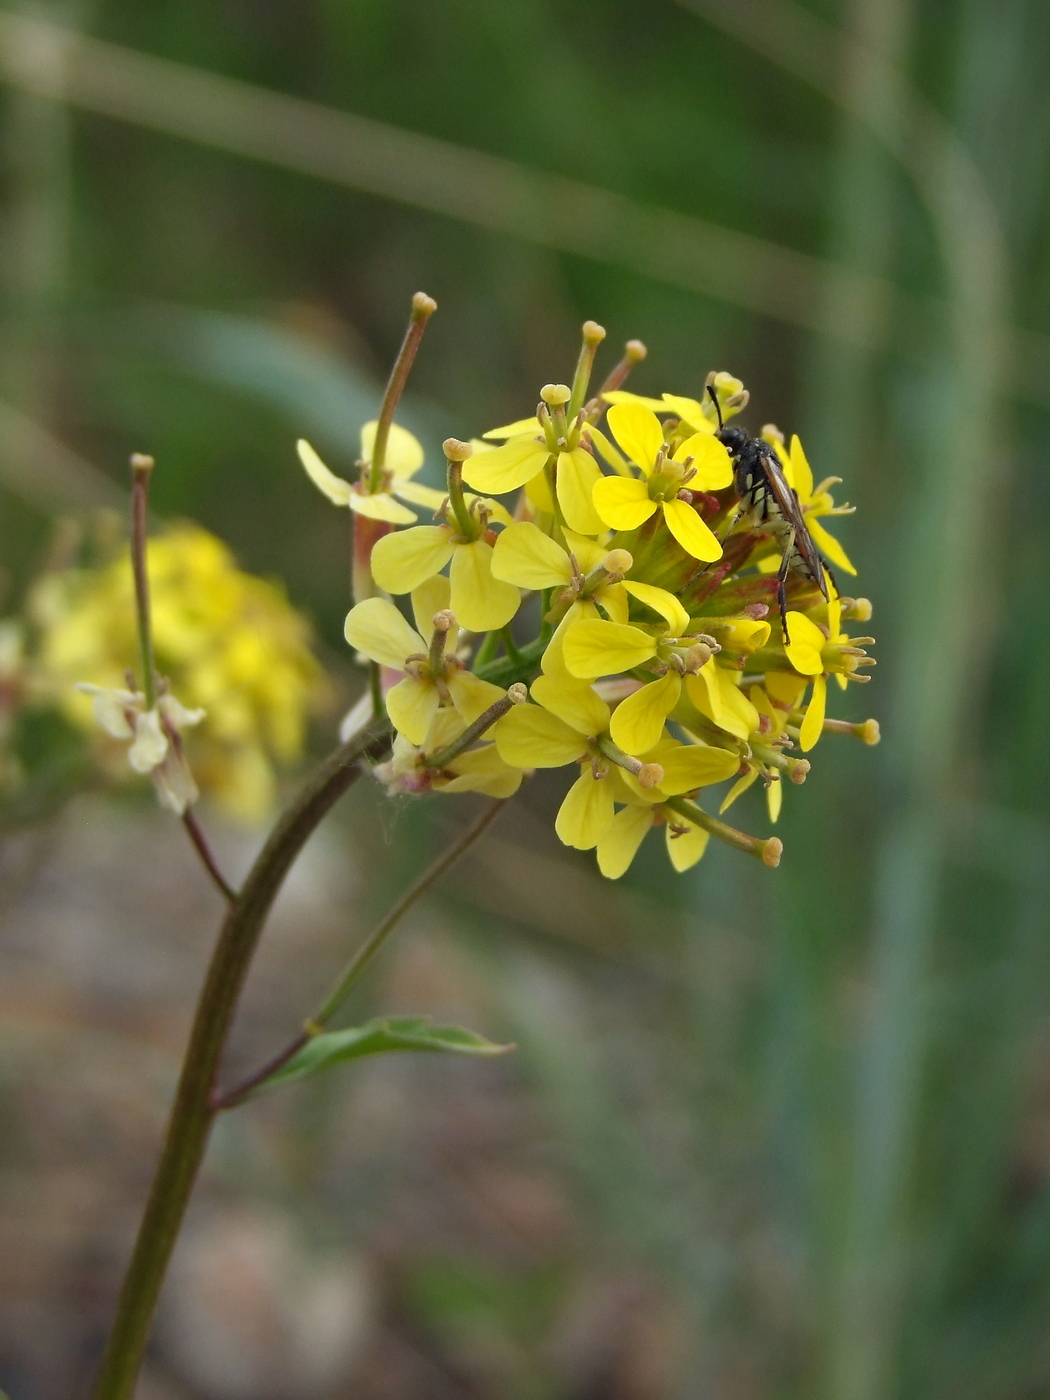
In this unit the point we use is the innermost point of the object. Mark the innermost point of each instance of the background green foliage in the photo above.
(808, 1100)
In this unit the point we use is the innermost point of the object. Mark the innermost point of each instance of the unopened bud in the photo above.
(455, 450)
(772, 850)
(141, 463)
(618, 561)
(517, 693)
(649, 775)
(593, 334)
(798, 769)
(445, 620)
(423, 305)
(635, 351)
(555, 394)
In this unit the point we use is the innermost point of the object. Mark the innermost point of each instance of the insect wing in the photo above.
(788, 506)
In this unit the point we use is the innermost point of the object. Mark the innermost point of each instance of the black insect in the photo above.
(770, 503)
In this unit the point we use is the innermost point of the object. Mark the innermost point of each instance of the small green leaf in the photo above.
(378, 1038)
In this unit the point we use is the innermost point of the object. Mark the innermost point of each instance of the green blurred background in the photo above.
(767, 1134)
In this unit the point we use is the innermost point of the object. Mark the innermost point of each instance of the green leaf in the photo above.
(378, 1038)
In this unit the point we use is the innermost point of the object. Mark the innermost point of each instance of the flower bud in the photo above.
(869, 731)
(444, 621)
(517, 693)
(555, 394)
(797, 770)
(859, 609)
(455, 450)
(617, 561)
(139, 462)
(423, 305)
(649, 775)
(635, 351)
(593, 334)
(772, 850)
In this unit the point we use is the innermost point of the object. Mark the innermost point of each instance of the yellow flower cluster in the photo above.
(228, 642)
(621, 615)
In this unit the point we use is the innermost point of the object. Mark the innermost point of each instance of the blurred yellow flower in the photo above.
(229, 643)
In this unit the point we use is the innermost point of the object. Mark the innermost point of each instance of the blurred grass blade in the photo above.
(38, 467)
(378, 1037)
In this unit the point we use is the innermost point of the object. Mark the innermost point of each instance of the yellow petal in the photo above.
(509, 430)
(714, 694)
(689, 766)
(613, 598)
(334, 487)
(574, 702)
(691, 532)
(638, 722)
(774, 798)
(481, 603)
(785, 687)
(662, 602)
(801, 477)
(619, 846)
(829, 545)
(691, 411)
(637, 429)
(807, 642)
(376, 628)
(524, 555)
(589, 553)
(738, 789)
(531, 737)
(419, 495)
(432, 596)
(625, 396)
(714, 468)
(471, 695)
(412, 705)
(834, 612)
(404, 455)
(596, 648)
(381, 506)
(482, 770)
(622, 502)
(587, 812)
(578, 474)
(506, 468)
(813, 724)
(402, 561)
(608, 452)
(685, 847)
(539, 493)
(745, 634)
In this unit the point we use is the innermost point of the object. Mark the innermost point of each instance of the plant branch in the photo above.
(423, 307)
(356, 967)
(192, 1114)
(204, 850)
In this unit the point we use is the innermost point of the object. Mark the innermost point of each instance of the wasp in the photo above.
(770, 503)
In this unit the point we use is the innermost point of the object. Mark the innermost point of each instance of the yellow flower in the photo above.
(228, 642)
(528, 448)
(404, 457)
(481, 602)
(617, 848)
(815, 501)
(625, 503)
(478, 769)
(697, 414)
(433, 674)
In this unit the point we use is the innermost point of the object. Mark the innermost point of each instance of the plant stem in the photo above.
(192, 1114)
(355, 968)
(768, 850)
(423, 307)
(141, 470)
(204, 850)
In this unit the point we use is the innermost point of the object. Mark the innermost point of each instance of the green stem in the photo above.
(510, 645)
(423, 307)
(768, 851)
(473, 732)
(487, 651)
(362, 959)
(467, 526)
(192, 1114)
(141, 470)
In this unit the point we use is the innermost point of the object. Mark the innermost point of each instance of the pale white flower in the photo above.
(123, 714)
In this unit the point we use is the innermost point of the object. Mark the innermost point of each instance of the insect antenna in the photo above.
(718, 406)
